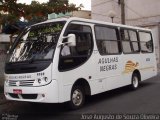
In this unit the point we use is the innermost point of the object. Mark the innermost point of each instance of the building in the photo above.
(82, 14)
(143, 13)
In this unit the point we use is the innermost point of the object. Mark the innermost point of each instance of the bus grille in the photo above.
(21, 82)
(24, 96)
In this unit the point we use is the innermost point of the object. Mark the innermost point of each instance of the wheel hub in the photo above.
(135, 82)
(77, 97)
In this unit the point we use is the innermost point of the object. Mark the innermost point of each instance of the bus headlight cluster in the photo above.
(39, 80)
(42, 81)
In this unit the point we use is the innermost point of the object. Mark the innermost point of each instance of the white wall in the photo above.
(82, 14)
(144, 12)
(100, 9)
(144, 8)
(155, 31)
(138, 12)
(4, 38)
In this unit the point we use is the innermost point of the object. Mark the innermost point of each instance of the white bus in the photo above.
(65, 59)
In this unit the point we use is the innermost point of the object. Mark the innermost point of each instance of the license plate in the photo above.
(17, 91)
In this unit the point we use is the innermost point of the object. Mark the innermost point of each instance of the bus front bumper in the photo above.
(42, 94)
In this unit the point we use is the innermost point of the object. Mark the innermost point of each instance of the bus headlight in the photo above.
(42, 81)
(39, 81)
(45, 79)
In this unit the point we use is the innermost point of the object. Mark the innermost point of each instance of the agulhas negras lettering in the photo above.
(107, 60)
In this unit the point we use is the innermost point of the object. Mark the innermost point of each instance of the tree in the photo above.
(11, 7)
(36, 11)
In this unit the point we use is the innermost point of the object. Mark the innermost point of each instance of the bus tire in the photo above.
(77, 98)
(135, 81)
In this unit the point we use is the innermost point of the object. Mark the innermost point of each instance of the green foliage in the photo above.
(35, 12)
(7, 19)
(63, 6)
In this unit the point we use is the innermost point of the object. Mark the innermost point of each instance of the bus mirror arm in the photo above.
(71, 40)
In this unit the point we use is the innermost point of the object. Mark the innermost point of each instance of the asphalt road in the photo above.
(122, 102)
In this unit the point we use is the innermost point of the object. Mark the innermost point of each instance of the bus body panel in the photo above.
(105, 80)
(28, 85)
(102, 72)
(149, 67)
(50, 97)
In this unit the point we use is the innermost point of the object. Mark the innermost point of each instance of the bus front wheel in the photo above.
(77, 97)
(135, 81)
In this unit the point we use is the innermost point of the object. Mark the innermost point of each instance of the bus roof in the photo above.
(93, 22)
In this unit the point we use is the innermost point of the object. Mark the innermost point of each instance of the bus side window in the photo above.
(107, 39)
(127, 46)
(146, 42)
(83, 44)
(72, 57)
(130, 41)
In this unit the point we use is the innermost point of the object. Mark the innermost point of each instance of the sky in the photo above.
(86, 3)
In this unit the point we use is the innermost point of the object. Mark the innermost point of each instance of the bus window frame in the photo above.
(92, 44)
(118, 41)
(138, 40)
(143, 52)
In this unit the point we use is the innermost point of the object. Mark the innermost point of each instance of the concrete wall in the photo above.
(4, 45)
(144, 12)
(101, 8)
(82, 14)
(155, 31)
(137, 12)
(4, 38)
(3, 50)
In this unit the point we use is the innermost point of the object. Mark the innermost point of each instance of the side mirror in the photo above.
(71, 40)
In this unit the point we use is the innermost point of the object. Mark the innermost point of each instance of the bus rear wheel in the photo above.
(77, 98)
(135, 81)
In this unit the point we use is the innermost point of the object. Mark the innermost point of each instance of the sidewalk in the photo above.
(2, 97)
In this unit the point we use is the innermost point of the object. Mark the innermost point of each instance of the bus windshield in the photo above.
(37, 42)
